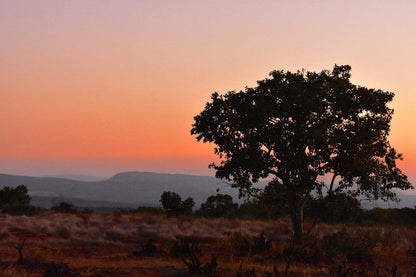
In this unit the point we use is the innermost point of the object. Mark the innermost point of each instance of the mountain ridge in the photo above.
(123, 187)
(137, 187)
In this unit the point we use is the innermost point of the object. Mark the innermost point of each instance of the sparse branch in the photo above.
(331, 186)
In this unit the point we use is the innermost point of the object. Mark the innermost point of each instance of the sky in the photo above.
(97, 87)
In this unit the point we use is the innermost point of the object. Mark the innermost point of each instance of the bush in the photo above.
(403, 217)
(15, 201)
(259, 209)
(64, 207)
(334, 208)
(14, 196)
(21, 210)
(174, 206)
(220, 205)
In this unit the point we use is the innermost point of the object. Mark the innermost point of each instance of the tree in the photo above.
(64, 207)
(298, 127)
(16, 201)
(17, 196)
(173, 205)
(220, 205)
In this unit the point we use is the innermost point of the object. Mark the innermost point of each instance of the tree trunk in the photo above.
(297, 219)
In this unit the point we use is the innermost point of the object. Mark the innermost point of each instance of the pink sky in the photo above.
(97, 87)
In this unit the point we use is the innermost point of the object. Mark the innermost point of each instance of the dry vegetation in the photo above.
(118, 245)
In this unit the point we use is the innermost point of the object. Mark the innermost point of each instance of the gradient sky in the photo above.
(96, 87)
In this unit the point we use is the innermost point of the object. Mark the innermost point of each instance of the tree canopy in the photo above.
(297, 127)
(17, 196)
(174, 205)
(218, 205)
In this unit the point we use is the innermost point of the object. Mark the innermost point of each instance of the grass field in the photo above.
(88, 244)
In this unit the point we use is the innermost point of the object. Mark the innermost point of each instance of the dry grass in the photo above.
(103, 244)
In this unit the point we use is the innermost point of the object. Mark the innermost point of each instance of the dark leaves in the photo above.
(299, 126)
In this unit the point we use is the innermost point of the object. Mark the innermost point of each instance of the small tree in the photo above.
(297, 127)
(16, 201)
(173, 205)
(17, 196)
(64, 207)
(220, 205)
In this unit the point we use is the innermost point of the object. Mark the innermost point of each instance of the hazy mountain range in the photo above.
(78, 177)
(132, 189)
(127, 188)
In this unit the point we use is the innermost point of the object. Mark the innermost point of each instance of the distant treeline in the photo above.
(334, 208)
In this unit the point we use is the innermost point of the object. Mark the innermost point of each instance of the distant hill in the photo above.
(127, 187)
(130, 189)
(78, 177)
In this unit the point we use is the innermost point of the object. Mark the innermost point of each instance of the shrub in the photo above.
(174, 206)
(403, 217)
(21, 210)
(333, 208)
(64, 207)
(14, 196)
(220, 205)
(15, 201)
(259, 209)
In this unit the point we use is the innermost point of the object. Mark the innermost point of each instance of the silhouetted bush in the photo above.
(220, 205)
(15, 201)
(174, 206)
(14, 196)
(333, 208)
(403, 217)
(64, 207)
(20, 210)
(259, 209)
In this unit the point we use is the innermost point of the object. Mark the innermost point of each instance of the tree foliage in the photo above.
(296, 128)
(220, 205)
(332, 208)
(16, 201)
(174, 206)
(64, 207)
(17, 196)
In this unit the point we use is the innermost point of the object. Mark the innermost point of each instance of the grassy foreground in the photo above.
(89, 244)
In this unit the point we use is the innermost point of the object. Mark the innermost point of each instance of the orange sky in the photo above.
(96, 87)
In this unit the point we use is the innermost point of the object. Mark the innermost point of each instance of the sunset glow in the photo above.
(98, 87)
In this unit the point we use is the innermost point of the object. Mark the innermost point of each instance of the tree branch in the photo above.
(331, 186)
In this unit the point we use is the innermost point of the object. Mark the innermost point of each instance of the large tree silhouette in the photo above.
(298, 127)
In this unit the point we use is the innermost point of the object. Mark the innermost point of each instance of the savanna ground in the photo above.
(118, 245)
